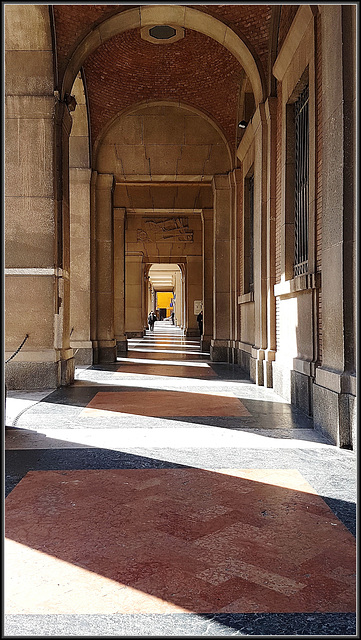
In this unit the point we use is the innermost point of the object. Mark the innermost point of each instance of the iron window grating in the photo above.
(301, 183)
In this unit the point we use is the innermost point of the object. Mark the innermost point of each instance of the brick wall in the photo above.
(196, 70)
(288, 12)
(126, 70)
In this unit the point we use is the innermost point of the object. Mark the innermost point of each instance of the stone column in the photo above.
(207, 250)
(222, 198)
(271, 133)
(260, 246)
(80, 265)
(237, 185)
(119, 279)
(178, 290)
(134, 272)
(335, 385)
(194, 292)
(37, 128)
(106, 344)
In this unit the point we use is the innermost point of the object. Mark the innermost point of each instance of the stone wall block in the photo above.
(29, 73)
(30, 233)
(162, 130)
(104, 267)
(79, 152)
(126, 131)
(26, 27)
(29, 314)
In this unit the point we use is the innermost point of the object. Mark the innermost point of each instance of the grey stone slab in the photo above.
(182, 624)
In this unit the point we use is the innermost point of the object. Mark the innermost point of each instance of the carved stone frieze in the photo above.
(165, 230)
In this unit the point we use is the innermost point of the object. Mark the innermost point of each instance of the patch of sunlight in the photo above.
(152, 436)
(176, 363)
(37, 582)
(156, 350)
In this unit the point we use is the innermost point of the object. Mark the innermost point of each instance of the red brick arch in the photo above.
(177, 15)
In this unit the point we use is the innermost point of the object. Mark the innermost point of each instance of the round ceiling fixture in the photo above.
(162, 33)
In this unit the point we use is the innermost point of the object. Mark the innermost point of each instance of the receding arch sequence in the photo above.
(182, 16)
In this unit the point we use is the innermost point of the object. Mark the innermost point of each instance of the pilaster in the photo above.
(106, 344)
(207, 246)
(119, 279)
(222, 228)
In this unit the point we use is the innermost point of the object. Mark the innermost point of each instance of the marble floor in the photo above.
(166, 495)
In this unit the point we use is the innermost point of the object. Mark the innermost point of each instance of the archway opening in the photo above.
(166, 295)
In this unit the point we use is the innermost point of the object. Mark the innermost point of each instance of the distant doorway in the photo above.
(166, 295)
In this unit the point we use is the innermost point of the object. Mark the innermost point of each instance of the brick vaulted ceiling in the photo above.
(195, 70)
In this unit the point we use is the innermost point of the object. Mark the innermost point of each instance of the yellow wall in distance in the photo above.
(163, 301)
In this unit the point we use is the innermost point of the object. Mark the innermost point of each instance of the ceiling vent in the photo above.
(162, 33)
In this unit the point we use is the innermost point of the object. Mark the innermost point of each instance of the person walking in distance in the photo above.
(200, 322)
(151, 320)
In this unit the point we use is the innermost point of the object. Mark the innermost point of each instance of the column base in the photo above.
(206, 343)
(243, 356)
(83, 352)
(192, 333)
(39, 375)
(219, 351)
(105, 351)
(335, 407)
(256, 366)
(122, 346)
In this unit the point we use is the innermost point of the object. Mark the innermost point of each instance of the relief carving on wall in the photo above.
(165, 230)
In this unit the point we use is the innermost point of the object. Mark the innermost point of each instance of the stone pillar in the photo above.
(80, 265)
(334, 390)
(134, 272)
(119, 279)
(236, 182)
(222, 197)
(36, 207)
(178, 290)
(194, 292)
(271, 133)
(260, 246)
(106, 344)
(145, 299)
(207, 250)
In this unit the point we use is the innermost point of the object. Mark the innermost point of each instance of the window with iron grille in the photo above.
(251, 219)
(248, 233)
(301, 183)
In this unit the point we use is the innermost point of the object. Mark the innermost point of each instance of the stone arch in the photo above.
(166, 103)
(195, 144)
(174, 15)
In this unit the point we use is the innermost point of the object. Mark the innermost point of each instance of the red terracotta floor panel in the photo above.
(179, 371)
(173, 540)
(165, 403)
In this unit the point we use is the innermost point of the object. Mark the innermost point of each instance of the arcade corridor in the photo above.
(168, 495)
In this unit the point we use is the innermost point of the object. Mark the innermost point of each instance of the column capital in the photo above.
(207, 214)
(259, 116)
(105, 181)
(221, 181)
(119, 213)
(237, 175)
(271, 107)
